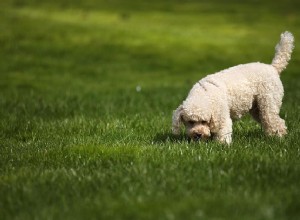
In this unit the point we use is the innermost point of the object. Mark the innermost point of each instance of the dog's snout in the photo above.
(197, 136)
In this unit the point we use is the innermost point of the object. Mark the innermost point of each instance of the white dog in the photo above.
(216, 99)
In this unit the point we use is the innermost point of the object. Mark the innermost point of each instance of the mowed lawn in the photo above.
(87, 90)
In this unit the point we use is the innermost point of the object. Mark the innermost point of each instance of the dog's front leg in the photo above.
(225, 132)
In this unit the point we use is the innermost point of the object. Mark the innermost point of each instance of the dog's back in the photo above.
(243, 83)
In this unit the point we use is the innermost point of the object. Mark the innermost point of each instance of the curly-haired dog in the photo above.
(216, 99)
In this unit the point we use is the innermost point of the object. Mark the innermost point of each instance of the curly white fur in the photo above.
(216, 99)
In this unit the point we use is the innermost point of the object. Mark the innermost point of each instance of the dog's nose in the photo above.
(197, 136)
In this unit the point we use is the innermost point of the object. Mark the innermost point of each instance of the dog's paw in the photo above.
(224, 139)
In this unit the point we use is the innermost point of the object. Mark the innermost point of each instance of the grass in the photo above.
(79, 141)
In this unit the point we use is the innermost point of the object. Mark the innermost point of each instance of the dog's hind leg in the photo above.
(269, 108)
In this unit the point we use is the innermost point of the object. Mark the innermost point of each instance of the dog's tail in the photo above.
(283, 51)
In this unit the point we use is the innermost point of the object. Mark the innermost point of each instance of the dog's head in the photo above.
(195, 113)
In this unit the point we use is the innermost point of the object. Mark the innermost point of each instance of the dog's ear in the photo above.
(176, 120)
(212, 123)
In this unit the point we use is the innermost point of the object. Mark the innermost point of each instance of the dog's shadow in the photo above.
(168, 137)
(165, 137)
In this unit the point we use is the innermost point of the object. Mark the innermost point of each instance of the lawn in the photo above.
(87, 90)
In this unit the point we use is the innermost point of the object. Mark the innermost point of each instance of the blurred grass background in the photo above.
(87, 90)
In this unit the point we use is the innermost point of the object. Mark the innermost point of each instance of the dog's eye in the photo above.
(203, 122)
(191, 122)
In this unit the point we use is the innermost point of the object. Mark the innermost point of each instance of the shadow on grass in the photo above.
(165, 137)
(255, 134)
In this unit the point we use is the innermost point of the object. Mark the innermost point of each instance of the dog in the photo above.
(214, 101)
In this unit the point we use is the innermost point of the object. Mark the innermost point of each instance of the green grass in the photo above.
(77, 141)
